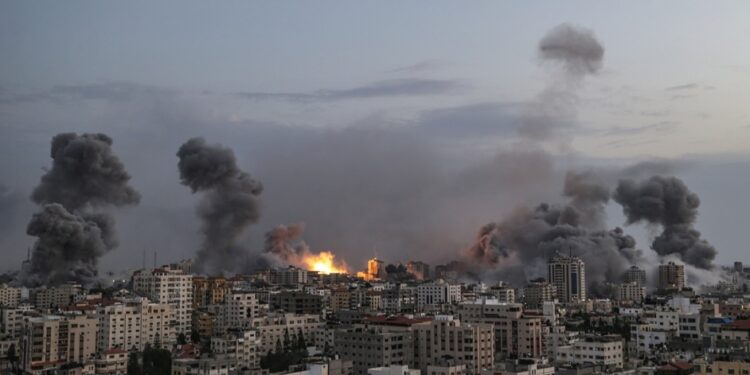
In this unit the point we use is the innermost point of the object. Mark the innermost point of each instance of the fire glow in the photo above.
(324, 262)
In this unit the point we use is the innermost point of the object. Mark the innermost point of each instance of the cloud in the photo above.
(659, 126)
(689, 86)
(420, 67)
(385, 88)
(114, 91)
(472, 120)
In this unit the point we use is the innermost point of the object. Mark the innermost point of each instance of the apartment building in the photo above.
(598, 350)
(209, 290)
(645, 339)
(568, 275)
(516, 335)
(237, 311)
(296, 302)
(537, 292)
(437, 293)
(374, 346)
(273, 327)
(635, 275)
(59, 296)
(133, 324)
(631, 292)
(470, 344)
(168, 286)
(52, 340)
(239, 346)
(9, 296)
(671, 276)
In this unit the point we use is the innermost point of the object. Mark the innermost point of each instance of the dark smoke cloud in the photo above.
(69, 245)
(74, 229)
(667, 201)
(229, 206)
(575, 48)
(518, 248)
(84, 172)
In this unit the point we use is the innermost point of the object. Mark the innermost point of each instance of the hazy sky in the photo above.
(295, 85)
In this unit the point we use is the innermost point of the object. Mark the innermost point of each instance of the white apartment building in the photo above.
(11, 322)
(168, 286)
(134, 324)
(598, 350)
(437, 294)
(662, 319)
(645, 339)
(9, 296)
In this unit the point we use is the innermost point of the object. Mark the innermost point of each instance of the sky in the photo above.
(389, 128)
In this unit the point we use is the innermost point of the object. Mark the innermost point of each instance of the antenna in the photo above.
(154, 259)
(143, 264)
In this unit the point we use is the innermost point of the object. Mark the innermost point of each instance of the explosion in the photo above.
(324, 262)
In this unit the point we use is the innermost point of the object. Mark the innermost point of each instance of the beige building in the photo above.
(631, 292)
(59, 296)
(725, 367)
(516, 335)
(273, 327)
(209, 290)
(437, 293)
(133, 324)
(168, 286)
(470, 344)
(671, 276)
(51, 341)
(112, 362)
(537, 292)
(9, 296)
(11, 322)
(597, 350)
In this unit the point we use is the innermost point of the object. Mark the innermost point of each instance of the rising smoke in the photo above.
(74, 228)
(667, 202)
(230, 203)
(283, 244)
(518, 248)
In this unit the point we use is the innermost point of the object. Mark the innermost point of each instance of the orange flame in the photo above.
(324, 262)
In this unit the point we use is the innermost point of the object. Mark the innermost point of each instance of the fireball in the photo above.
(324, 262)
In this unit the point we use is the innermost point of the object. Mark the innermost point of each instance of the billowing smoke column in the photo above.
(284, 243)
(578, 53)
(666, 201)
(230, 203)
(74, 228)
(518, 248)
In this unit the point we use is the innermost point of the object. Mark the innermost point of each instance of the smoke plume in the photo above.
(667, 201)
(285, 243)
(230, 203)
(578, 53)
(74, 228)
(518, 248)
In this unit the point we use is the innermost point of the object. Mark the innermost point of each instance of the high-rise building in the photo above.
(739, 267)
(516, 335)
(296, 302)
(171, 286)
(635, 275)
(58, 296)
(471, 344)
(671, 276)
(273, 328)
(9, 296)
(237, 311)
(568, 275)
(133, 324)
(52, 340)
